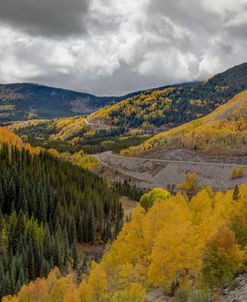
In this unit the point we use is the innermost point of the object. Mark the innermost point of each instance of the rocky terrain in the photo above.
(150, 173)
(238, 293)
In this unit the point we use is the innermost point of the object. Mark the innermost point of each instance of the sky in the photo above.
(112, 47)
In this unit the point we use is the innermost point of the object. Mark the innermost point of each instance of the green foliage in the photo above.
(222, 132)
(182, 294)
(47, 207)
(190, 294)
(128, 190)
(222, 258)
(186, 247)
(45, 102)
(47, 135)
(148, 199)
(199, 296)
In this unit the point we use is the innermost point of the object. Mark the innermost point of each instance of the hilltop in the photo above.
(28, 101)
(224, 131)
(128, 122)
(175, 104)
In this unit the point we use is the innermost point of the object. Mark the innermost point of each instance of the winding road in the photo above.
(109, 153)
(151, 172)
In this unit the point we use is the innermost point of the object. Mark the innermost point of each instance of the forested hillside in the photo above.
(196, 249)
(60, 134)
(224, 131)
(29, 101)
(175, 105)
(10, 138)
(60, 150)
(47, 208)
(133, 120)
(73, 135)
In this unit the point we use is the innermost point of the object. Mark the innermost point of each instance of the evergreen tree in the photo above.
(235, 195)
(91, 225)
(46, 207)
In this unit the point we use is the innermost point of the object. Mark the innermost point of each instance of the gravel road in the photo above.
(152, 172)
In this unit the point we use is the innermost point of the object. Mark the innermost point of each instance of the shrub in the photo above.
(237, 172)
(199, 296)
(222, 258)
(188, 184)
(187, 294)
(183, 294)
(149, 198)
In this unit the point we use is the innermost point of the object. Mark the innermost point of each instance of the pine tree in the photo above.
(236, 195)
(91, 225)
(48, 206)
(74, 255)
(1, 197)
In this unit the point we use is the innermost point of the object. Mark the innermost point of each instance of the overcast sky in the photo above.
(111, 47)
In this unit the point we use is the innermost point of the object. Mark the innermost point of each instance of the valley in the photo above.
(110, 177)
(123, 151)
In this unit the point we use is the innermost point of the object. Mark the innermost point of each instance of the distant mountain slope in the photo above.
(25, 101)
(224, 131)
(177, 104)
(173, 104)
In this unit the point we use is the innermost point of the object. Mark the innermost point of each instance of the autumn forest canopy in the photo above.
(198, 246)
(123, 151)
(47, 207)
(72, 229)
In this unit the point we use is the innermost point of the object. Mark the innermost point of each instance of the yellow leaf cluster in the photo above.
(176, 242)
(237, 172)
(223, 131)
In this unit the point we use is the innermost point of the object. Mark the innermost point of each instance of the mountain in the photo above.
(224, 131)
(174, 105)
(28, 101)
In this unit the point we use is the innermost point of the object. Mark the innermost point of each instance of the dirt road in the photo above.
(151, 172)
(98, 125)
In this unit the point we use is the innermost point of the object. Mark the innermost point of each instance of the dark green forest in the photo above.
(47, 208)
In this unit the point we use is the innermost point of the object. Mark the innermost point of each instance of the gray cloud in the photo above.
(45, 17)
(128, 45)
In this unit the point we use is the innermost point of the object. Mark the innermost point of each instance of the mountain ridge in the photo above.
(218, 132)
(174, 105)
(23, 101)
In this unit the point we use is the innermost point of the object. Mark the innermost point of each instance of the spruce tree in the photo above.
(91, 225)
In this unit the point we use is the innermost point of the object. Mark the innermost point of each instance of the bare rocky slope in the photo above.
(150, 173)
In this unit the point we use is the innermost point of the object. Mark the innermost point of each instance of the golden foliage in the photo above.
(176, 242)
(144, 104)
(81, 159)
(237, 172)
(222, 257)
(67, 127)
(222, 131)
(10, 138)
(188, 184)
